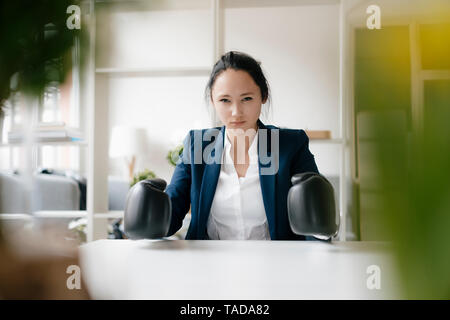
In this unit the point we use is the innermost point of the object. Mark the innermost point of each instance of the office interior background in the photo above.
(140, 89)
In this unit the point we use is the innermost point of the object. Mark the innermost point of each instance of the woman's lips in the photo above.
(237, 123)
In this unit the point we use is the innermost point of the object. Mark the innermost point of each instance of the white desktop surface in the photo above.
(212, 269)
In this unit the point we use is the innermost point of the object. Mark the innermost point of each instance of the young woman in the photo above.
(244, 194)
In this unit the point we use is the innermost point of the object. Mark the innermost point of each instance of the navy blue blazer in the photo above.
(194, 182)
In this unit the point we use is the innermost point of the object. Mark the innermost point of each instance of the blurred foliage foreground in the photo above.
(35, 45)
(412, 176)
(35, 53)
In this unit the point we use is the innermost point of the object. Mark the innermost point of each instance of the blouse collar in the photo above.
(252, 151)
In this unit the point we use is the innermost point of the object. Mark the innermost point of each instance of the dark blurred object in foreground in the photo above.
(32, 268)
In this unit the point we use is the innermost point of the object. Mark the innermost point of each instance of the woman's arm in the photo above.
(303, 160)
(179, 189)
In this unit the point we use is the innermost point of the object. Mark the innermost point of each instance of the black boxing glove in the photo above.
(311, 206)
(148, 210)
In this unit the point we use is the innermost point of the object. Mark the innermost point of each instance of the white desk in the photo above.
(210, 270)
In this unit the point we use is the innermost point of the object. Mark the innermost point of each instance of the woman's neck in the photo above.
(240, 138)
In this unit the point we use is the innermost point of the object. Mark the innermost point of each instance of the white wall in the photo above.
(166, 107)
(299, 50)
(154, 39)
(298, 47)
(169, 106)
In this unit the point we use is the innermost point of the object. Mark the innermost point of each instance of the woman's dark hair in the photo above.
(239, 61)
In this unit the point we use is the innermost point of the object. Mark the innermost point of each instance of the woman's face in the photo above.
(237, 99)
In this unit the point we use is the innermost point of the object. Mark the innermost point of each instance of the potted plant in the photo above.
(142, 175)
(174, 154)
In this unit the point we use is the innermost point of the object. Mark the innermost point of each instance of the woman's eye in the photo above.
(224, 100)
(247, 98)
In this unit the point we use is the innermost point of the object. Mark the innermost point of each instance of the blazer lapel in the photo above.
(209, 183)
(267, 182)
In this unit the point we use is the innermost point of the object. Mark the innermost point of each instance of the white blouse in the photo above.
(237, 211)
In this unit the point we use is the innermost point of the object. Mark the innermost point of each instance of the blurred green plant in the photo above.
(174, 154)
(35, 45)
(79, 227)
(142, 175)
(404, 151)
(413, 174)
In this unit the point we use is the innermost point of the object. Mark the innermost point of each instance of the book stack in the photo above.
(47, 132)
(318, 134)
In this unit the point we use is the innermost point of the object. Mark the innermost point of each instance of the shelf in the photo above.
(58, 214)
(63, 214)
(154, 5)
(271, 3)
(48, 143)
(326, 141)
(203, 4)
(116, 214)
(154, 72)
(15, 216)
(72, 214)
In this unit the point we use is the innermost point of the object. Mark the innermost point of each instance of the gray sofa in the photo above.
(52, 192)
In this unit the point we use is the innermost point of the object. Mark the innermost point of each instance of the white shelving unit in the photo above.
(115, 214)
(31, 161)
(97, 134)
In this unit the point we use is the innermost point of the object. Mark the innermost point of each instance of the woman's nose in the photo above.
(236, 109)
